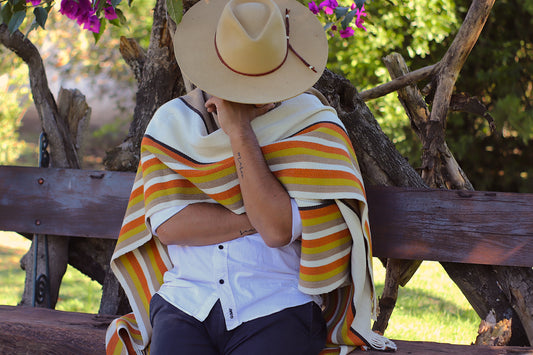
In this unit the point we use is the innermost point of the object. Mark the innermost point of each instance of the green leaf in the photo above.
(33, 26)
(359, 3)
(41, 15)
(175, 10)
(102, 30)
(115, 3)
(15, 21)
(19, 5)
(7, 12)
(121, 17)
(348, 18)
(340, 11)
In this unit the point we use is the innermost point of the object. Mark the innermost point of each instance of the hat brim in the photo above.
(199, 62)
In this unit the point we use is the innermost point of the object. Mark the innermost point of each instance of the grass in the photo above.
(429, 308)
(78, 293)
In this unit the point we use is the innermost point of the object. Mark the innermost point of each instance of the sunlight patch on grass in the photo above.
(430, 308)
(78, 293)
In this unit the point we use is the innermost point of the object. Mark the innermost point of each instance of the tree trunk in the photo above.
(159, 80)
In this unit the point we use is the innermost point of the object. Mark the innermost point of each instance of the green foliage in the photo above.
(420, 31)
(175, 10)
(13, 101)
(500, 72)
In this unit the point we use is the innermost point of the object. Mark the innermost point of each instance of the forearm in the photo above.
(266, 201)
(204, 224)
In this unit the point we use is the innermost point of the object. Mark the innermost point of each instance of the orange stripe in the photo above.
(325, 268)
(138, 191)
(318, 174)
(320, 211)
(111, 346)
(234, 191)
(139, 273)
(131, 225)
(161, 267)
(328, 125)
(330, 238)
(151, 162)
(150, 142)
(280, 146)
(168, 185)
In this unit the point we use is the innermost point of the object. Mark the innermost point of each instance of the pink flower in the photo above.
(34, 2)
(348, 32)
(328, 6)
(109, 13)
(313, 7)
(359, 20)
(69, 8)
(92, 24)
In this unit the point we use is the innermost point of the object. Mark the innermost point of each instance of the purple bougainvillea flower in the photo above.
(84, 13)
(348, 32)
(313, 7)
(69, 8)
(34, 2)
(328, 6)
(109, 13)
(359, 19)
(92, 24)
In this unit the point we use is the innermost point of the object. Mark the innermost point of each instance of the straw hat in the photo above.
(238, 49)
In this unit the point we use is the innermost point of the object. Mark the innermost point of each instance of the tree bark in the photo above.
(63, 153)
(159, 81)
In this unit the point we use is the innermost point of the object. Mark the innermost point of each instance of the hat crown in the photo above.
(251, 36)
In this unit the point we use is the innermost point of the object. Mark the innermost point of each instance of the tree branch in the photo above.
(398, 83)
(60, 142)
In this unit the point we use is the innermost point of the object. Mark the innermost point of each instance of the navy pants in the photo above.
(295, 330)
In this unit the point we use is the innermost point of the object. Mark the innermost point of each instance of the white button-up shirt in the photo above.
(250, 279)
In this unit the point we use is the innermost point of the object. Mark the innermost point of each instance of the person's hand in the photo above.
(233, 117)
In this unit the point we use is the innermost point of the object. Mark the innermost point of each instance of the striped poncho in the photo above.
(185, 159)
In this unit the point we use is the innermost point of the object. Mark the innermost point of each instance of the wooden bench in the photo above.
(412, 224)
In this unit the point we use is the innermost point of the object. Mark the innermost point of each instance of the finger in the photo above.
(211, 105)
(264, 109)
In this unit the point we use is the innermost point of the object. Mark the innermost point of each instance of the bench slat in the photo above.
(71, 202)
(418, 224)
(27, 330)
(474, 227)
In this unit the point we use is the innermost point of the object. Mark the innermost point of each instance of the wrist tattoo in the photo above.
(248, 231)
(241, 166)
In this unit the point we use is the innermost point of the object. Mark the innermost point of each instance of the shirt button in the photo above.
(220, 247)
(221, 281)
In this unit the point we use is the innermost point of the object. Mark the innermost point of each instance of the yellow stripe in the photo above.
(131, 233)
(328, 246)
(324, 276)
(155, 167)
(212, 176)
(156, 151)
(306, 151)
(136, 200)
(307, 222)
(172, 191)
(138, 287)
(319, 181)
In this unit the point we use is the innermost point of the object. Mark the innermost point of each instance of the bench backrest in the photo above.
(476, 227)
